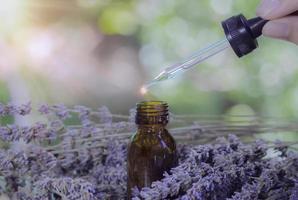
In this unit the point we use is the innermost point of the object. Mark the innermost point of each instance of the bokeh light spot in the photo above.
(117, 20)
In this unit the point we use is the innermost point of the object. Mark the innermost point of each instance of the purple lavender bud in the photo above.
(82, 110)
(116, 153)
(67, 160)
(44, 109)
(281, 147)
(47, 160)
(248, 192)
(11, 109)
(111, 180)
(67, 188)
(10, 133)
(148, 194)
(185, 197)
(83, 156)
(294, 192)
(24, 109)
(38, 130)
(105, 115)
(135, 192)
(12, 162)
(61, 111)
(2, 110)
(56, 125)
(89, 130)
(132, 115)
(5, 162)
(5, 133)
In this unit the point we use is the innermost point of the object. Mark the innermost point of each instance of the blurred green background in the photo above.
(100, 52)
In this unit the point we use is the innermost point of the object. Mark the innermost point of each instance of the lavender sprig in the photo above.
(11, 109)
(65, 188)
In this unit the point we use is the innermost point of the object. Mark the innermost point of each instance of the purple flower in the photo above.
(294, 191)
(11, 109)
(105, 115)
(24, 109)
(132, 115)
(10, 133)
(56, 125)
(66, 188)
(84, 114)
(37, 131)
(44, 161)
(44, 109)
(111, 180)
(248, 192)
(61, 111)
(116, 154)
(2, 110)
(5, 133)
(12, 162)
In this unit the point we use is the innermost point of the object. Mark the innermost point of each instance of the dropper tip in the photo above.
(144, 88)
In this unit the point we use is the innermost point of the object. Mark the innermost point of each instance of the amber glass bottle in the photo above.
(152, 150)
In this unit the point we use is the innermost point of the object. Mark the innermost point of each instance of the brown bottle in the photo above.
(152, 150)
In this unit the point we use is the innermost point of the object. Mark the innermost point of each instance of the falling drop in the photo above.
(143, 90)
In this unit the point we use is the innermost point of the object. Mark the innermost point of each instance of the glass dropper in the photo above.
(198, 57)
(241, 35)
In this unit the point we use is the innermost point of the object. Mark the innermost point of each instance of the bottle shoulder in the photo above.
(160, 134)
(157, 140)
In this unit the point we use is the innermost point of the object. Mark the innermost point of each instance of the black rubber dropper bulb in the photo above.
(242, 33)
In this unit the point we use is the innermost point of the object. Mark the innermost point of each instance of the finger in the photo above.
(273, 9)
(285, 28)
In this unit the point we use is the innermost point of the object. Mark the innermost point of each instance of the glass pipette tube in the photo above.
(198, 57)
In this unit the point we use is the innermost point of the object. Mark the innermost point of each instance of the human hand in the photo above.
(281, 25)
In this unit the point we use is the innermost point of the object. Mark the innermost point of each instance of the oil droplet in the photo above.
(143, 90)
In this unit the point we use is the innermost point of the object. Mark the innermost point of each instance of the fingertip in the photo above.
(277, 29)
(267, 8)
(285, 28)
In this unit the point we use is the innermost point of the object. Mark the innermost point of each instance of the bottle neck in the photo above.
(152, 113)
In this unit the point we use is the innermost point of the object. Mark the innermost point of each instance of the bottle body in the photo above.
(152, 150)
(150, 154)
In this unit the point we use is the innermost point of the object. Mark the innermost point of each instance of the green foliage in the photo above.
(118, 19)
(267, 78)
(4, 98)
(166, 31)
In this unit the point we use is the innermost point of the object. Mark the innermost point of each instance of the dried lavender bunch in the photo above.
(228, 170)
(86, 159)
